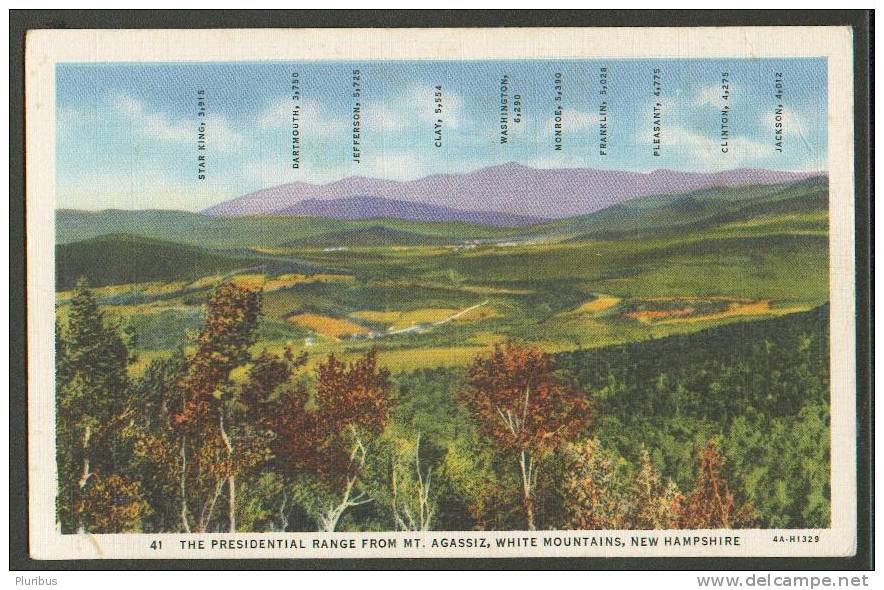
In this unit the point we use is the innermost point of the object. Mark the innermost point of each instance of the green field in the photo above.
(686, 320)
(673, 264)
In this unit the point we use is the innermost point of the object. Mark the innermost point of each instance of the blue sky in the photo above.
(126, 133)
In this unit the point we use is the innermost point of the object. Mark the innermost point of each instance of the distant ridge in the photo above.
(511, 191)
(118, 259)
(371, 207)
(368, 236)
(109, 260)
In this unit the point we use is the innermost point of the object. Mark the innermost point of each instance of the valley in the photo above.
(688, 321)
(437, 293)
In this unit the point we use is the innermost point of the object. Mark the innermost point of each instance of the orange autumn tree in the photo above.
(111, 504)
(711, 505)
(223, 428)
(600, 496)
(525, 408)
(326, 436)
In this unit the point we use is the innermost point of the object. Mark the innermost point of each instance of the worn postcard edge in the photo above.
(46, 48)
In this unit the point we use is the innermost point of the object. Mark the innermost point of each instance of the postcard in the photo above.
(423, 293)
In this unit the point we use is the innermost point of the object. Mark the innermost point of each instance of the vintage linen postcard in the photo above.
(441, 293)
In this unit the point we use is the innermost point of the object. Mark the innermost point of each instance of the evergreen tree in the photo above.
(92, 359)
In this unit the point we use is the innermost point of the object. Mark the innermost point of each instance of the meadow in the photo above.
(560, 294)
(663, 309)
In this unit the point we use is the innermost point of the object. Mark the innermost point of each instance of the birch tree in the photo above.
(224, 430)
(411, 484)
(525, 408)
(92, 395)
(330, 440)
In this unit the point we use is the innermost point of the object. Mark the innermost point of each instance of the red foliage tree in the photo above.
(268, 371)
(222, 428)
(223, 344)
(112, 504)
(711, 505)
(350, 405)
(525, 408)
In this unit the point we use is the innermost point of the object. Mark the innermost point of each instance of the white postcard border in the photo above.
(45, 48)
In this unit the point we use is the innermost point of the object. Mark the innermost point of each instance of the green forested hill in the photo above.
(375, 235)
(761, 387)
(118, 259)
(697, 210)
(243, 232)
(678, 213)
(659, 309)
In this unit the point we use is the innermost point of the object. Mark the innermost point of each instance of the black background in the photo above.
(20, 21)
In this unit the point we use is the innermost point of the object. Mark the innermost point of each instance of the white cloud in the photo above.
(709, 96)
(273, 170)
(695, 146)
(391, 164)
(129, 106)
(221, 135)
(380, 117)
(792, 123)
(318, 117)
(72, 117)
(277, 114)
(423, 99)
(415, 106)
(314, 117)
(573, 121)
(750, 151)
(155, 125)
(559, 160)
(270, 171)
(395, 165)
(136, 190)
(704, 150)
(689, 142)
(162, 127)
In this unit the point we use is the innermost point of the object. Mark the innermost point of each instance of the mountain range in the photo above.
(368, 207)
(507, 195)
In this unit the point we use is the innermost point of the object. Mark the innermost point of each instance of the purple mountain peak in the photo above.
(512, 165)
(510, 189)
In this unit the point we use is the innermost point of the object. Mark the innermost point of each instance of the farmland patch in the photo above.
(328, 326)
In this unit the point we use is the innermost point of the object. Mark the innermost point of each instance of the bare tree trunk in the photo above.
(231, 478)
(515, 424)
(209, 508)
(184, 520)
(328, 521)
(231, 502)
(529, 513)
(424, 483)
(527, 466)
(283, 515)
(423, 519)
(87, 434)
(87, 473)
